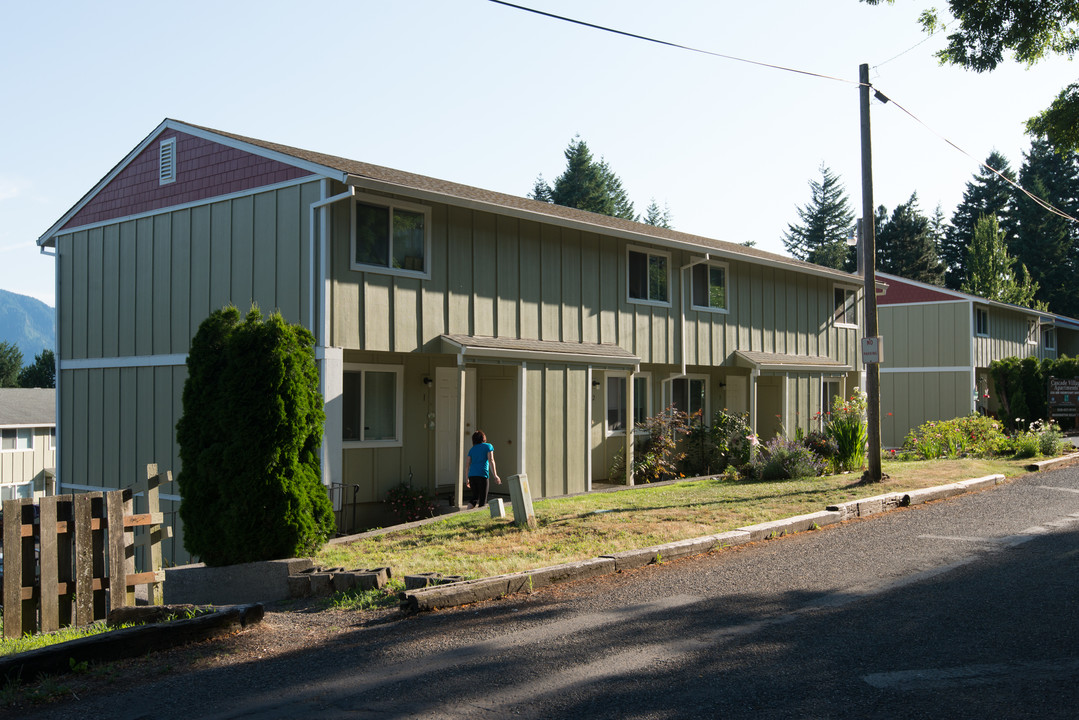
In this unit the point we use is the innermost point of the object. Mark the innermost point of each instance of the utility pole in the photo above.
(869, 254)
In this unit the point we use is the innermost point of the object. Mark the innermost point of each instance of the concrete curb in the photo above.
(470, 591)
(1055, 463)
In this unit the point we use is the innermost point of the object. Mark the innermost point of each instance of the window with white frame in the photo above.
(981, 321)
(1032, 331)
(391, 235)
(616, 402)
(14, 439)
(689, 394)
(17, 491)
(649, 276)
(1049, 338)
(846, 311)
(710, 286)
(372, 403)
(831, 388)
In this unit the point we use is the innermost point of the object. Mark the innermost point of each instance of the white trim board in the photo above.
(955, 368)
(128, 361)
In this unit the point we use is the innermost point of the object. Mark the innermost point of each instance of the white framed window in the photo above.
(16, 439)
(391, 236)
(688, 394)
(831, 388)
(710, 286)
(166, 166)
(648, 276)
(1032, 331)
(981, 321)
(616, 402)
(372, 401)
(1049, 338)
(17, 491)
(846, 309)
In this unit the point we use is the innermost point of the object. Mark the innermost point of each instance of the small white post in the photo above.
(521, 498)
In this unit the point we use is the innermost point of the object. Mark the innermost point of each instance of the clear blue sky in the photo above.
(474, 92)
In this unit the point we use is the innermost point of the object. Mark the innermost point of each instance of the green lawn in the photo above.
(585, 526)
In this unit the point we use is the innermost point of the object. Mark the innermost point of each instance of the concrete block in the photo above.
(630, 559)
(299, 586)
(521, 499)
(981, 483)
(730, 538)
(498, 509)
(321, 584)
(232, 584)
(429, 579)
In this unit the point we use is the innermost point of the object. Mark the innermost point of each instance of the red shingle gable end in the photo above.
(900, 293)
(204, 170)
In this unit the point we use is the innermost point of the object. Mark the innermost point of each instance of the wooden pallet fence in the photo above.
(66, 562)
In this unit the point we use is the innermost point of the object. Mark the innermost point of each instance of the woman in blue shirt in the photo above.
(481, 467)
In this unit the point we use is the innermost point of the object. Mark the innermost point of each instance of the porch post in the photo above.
(459, 485)
(629, 427)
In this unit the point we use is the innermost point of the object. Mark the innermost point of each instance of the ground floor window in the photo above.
(830, 390)
(372, 399)
(616, 402)
(17, 492)
(689, 394)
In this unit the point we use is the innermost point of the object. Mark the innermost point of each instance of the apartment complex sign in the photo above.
(1063, 397)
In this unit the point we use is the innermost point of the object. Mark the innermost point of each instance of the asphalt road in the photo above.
(964, 608)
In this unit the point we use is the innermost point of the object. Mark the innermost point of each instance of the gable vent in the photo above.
(167, 161)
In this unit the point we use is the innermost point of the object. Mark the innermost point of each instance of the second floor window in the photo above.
(648, 278)
(391, 235)
(710, 286)
(845, 310)
(981, 321)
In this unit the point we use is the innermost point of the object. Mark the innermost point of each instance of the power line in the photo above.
(669, 44)
(883, 98)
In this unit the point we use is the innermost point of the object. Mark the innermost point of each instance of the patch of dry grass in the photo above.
(585, 526)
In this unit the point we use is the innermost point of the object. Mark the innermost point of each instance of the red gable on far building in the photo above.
(903, 292)
(204, 170)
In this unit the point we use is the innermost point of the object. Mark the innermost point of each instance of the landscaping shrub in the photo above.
(711, 449)
(848, 427)
(782, 459)
(1022, 386)
(657, 455)
(249, 437)
(410, 503)
(823, 445)
(970, 436)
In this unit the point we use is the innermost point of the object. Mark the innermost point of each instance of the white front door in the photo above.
(447, 406)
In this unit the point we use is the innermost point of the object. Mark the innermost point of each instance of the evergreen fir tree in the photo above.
(586, 184)
(827, 222)
(906, 246)
(1048, 243)
(986, 194)
(249, 437)
(656, 217)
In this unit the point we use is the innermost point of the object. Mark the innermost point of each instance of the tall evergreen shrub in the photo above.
(251, 427)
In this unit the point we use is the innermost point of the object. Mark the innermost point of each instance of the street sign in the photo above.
(872, 350)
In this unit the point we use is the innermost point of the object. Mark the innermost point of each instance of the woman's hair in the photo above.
(478, 437)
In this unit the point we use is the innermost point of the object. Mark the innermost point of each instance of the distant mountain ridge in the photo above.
(28, 323)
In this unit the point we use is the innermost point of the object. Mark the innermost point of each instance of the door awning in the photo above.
(492, 348)
(778, 361)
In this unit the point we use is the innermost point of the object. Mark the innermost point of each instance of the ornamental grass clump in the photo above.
(848, 427)
(782, 459)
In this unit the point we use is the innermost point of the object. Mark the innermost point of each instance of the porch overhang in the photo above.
(788, 363)
(478, 347)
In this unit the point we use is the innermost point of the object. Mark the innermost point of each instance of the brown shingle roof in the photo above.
(458, 191)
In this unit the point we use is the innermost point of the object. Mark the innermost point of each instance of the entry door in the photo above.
(769, 406)
(498, 420)
(447, 439)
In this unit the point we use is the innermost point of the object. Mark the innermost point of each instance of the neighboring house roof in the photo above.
(27, 407)
(902, 291)
(360, 174)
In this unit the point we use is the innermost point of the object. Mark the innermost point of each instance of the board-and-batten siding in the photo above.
(908, 400)
(932, 335)
(20, 466)
(1007, 338)
(497, 276)
(141, 287)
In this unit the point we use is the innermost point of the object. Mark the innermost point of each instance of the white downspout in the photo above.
(588, 430)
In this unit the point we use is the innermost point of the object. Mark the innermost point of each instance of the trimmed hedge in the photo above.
(249, 437)
(1022, 386)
